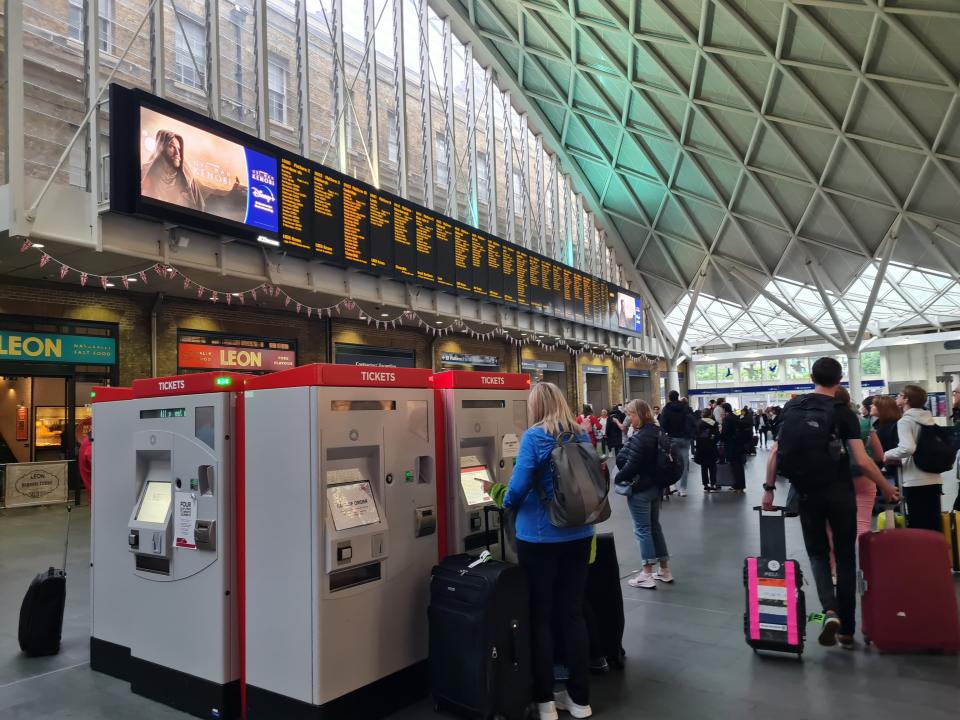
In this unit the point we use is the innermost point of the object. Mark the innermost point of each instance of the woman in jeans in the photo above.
(555, 559)
(637, 460)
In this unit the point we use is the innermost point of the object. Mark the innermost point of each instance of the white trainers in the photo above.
(682, 493)
(563, 702)
(547, 710)
(664, 576)
(643, 580)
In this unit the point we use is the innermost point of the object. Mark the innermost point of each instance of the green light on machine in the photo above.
(223, 382)
(408, 476)
(93, 394)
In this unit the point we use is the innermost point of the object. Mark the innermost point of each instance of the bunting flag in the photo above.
(44, 260)
(228, 296)
(63, 271)
(103, 281)
(143, 276)
(26, 246)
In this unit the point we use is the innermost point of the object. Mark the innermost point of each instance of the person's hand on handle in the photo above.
(890, 492)
(767, 501)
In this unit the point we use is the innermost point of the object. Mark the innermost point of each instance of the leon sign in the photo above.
(40, 483)
(231, 357)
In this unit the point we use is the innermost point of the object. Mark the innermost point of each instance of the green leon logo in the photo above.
(37, 484)
(49, 347)
(31, 346)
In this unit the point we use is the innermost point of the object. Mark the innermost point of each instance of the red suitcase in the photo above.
(909, 603)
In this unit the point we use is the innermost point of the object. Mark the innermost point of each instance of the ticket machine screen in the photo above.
(352, 505)
(155, 503)
(471, 480)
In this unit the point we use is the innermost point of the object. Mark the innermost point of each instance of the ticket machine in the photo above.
(341, 518)
(483, 416)
(163, 567)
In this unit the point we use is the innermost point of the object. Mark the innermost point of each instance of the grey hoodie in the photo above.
(908, 428)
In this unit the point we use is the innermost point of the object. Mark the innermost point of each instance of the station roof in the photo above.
(755, 144)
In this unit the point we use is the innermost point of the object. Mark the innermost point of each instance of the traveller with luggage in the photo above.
(816, 437)
(555, 557)
(705, 452)
(735, 447)
(647, 467)
(675, 421)
(923, 455)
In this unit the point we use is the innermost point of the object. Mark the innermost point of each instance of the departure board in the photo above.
(254, 191)
(381, 232)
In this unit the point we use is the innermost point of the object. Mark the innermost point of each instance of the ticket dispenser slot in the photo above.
(356, 523)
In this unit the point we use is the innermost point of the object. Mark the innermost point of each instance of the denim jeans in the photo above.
(681, 448)
(833, 505)
(645, 510)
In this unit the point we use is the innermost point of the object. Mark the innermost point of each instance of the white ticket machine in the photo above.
(484, 415)
(163, 578)
(341, 516)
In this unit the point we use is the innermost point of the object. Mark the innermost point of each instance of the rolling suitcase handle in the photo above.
(773, 536)
(66, 542)
(487, 509)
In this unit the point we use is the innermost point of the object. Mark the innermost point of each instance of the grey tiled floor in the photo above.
(686, 655)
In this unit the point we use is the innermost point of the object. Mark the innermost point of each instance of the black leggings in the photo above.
(923, 506)
(708, 474)
(558, 577)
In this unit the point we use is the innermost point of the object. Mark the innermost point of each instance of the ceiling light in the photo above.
(132, 279)
(109, 284)
(384, 314)
(439, 322)
(264, 240)
(39, 246)
(235, 294)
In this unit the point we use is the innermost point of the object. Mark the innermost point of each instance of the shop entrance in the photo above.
(596, 388)
(48, 370)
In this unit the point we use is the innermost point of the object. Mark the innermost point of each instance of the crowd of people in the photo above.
(866, 452)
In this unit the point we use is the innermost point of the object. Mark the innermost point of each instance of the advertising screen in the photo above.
(155, 503)
(471, 480)
(193, 169)
(629, 314)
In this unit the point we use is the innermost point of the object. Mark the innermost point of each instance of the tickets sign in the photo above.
(231, 357)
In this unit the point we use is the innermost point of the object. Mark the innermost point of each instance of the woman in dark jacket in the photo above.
(636, 461)
(736, 453)
(705, 452)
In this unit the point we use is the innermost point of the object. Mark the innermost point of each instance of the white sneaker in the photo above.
(682, 493)
(664, 576)
(547, 710)
(563, 702)
(643, 580)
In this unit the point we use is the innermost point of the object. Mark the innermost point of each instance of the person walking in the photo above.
(763, 425)
(637, 462)
(614, 430)
(735, 451)
(676, 422)
(921, 489)
(588, 423)
(816, 437)
(705, 451)
(555, 559)
(602, 432)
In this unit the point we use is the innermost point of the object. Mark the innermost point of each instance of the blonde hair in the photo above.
(642, 410)
(548, 408)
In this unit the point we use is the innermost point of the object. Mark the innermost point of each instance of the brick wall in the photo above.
(129, 311)
(359, 333)
(176, 313)
(532, 352)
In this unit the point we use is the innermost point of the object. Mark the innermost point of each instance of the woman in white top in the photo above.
(921, 489)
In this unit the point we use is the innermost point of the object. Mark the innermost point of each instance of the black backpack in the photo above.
(936, 448)
(669, 467)
(809, 449)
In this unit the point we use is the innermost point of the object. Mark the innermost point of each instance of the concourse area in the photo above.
(684, 642)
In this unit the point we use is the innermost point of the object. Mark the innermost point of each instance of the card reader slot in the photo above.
(151, 564)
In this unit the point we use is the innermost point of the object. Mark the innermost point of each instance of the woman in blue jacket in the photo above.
(555, 559)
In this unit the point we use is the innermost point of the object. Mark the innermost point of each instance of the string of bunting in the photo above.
(166, 271)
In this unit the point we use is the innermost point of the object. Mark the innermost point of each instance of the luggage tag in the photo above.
(484, 556)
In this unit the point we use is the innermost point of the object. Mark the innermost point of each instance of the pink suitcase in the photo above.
(909, 603)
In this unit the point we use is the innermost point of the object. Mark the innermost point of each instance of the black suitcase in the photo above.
(603, 605)
(776, 609)
(41, 614)
(480, 638)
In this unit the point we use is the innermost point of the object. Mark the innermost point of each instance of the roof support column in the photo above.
(678, 348)
(15, 146)
(886, 252)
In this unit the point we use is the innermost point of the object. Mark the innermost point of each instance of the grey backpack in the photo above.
(580, 486)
